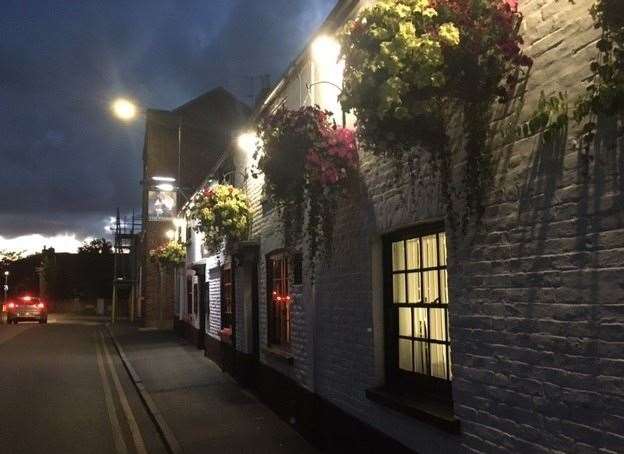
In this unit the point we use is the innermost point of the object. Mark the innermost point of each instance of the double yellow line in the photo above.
(103, 355)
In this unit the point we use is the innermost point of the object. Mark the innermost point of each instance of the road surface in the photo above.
(63, 389)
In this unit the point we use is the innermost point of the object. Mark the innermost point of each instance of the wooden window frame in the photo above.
(285, 335)
(396, 377)
(227, 319)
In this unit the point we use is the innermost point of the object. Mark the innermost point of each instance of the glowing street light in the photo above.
(124, 109)
(6, 284)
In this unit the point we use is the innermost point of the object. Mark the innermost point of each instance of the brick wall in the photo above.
(539, 310)
(537, 301)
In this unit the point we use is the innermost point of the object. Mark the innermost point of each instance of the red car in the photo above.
(26, 308)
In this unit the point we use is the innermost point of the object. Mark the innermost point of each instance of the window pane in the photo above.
(438, 360)
(430, 286)
(420, 322)
(430, 251)
(405, 321)
(398, 256)
(437, 324)
(413, 287)
(444, 286)
(420, 357)
(398, 288)
(405, 355)
(442, 244)
(413, 253)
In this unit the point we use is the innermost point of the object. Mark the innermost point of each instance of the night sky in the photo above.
(65, 162)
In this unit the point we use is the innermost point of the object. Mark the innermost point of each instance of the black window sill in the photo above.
(424, 408)
(280, 354)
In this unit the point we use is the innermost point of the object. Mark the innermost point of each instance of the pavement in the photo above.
(204, 408)
(64, 389)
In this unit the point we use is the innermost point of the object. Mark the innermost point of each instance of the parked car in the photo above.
(26, 308)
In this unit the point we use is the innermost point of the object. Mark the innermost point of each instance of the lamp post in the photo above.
(6, 284)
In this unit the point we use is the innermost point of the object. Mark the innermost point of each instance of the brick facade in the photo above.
(206, 124)
(537, 291)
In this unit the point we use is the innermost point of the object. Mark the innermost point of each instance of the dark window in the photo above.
(227, 298)
(195, 296)
(417, 307)
(189, 295)
(298, 269)
(279, 309)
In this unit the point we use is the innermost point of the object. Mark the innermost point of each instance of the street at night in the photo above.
(64, 390)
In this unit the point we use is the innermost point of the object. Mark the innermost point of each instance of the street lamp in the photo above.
(6, 284)
(124, 109)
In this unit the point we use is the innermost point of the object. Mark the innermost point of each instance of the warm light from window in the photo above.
(170, 234)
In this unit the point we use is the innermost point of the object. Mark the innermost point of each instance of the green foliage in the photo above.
(307, 163)
(96, 246)
(171, 254)
(605, 93)
(222, 213)
(7, 257)
(550, 118)
(409, 64)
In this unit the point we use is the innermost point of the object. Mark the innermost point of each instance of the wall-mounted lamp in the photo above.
(325, 49)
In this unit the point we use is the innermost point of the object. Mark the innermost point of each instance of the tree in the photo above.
(7, 257)
(96, 246)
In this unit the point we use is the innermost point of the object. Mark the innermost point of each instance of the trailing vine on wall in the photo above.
(411, 64)
(604, 94)
(550, 118)
(307, 162)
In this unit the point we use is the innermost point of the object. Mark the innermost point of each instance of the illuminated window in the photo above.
(279, 307)
(417, 302)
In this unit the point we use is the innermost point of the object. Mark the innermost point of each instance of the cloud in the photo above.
(65, 162)
(32, 244)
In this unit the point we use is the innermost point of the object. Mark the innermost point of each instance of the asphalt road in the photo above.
(63, 389)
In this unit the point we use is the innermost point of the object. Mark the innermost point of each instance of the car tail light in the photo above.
(11, 305)
(40, 306)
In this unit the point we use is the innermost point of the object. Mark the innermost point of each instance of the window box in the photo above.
(422, 407)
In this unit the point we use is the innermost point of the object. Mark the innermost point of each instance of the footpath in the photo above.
(197, 407)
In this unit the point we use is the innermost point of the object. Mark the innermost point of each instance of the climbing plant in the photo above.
(307, 162)
(410, 64)
(549, 119)
(604, 94)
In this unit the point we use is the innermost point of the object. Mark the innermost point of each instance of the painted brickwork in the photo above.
(206, 124)
(537, 300)
(539, 313)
